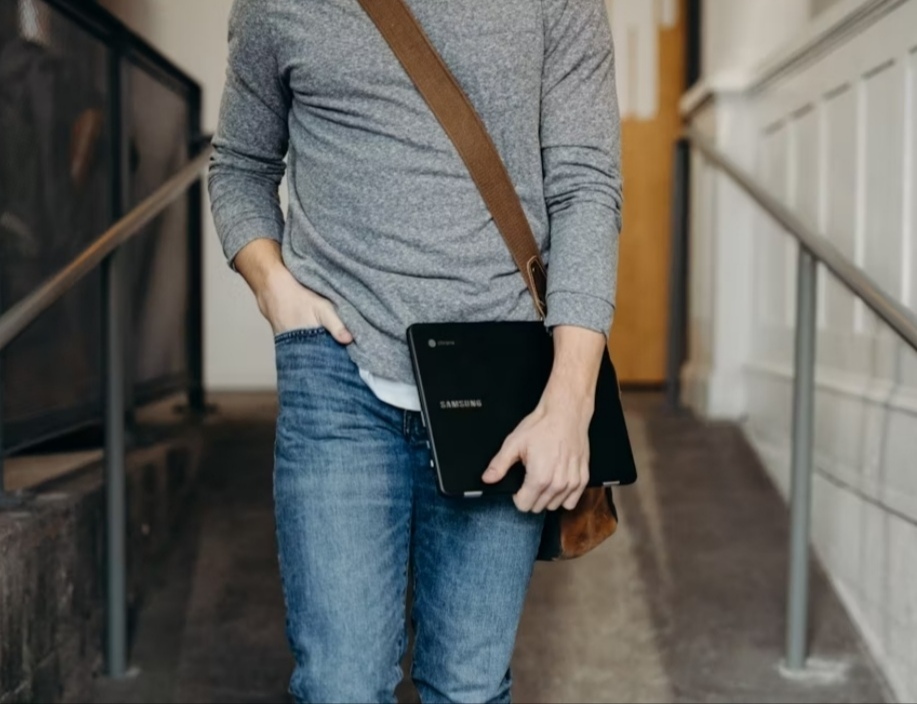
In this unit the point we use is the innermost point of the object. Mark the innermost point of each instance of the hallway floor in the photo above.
(684, 604)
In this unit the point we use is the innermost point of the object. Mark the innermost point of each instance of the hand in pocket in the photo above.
(288, 305)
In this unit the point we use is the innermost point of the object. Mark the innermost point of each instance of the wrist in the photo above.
(274, 274)
(567, 397)
(577, 357)
(260, 263)
(268, 282)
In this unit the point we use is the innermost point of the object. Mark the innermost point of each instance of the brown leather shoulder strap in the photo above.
(464, 127)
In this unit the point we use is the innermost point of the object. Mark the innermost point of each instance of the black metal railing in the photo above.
(92, 120)
(98, 134)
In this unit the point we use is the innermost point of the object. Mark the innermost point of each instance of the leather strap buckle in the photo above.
(538, 284)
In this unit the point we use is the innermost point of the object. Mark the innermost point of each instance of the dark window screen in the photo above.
(64, 142)
(157, 126)
(54, 200)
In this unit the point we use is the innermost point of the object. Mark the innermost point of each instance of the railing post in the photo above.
(16, 499)
(678, 272)
(197, 402)
(116, 520)
(195, 336)
(114, 376)
(3, 497)
(6, 500)
(801, 483)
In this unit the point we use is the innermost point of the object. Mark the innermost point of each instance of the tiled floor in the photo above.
(684, 604)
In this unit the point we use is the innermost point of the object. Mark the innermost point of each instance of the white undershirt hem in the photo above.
(394, 393)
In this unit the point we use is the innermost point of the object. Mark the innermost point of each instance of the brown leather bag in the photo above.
(567, 534)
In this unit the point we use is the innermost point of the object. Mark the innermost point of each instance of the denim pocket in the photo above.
(299, 334)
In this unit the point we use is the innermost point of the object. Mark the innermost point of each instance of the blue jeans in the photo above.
(356, 498)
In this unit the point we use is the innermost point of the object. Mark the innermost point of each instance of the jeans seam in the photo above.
(405, 566)
(412, 560)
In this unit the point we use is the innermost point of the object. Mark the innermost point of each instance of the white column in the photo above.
(721, 267)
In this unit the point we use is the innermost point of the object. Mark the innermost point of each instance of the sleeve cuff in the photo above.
(581, 310)
(247, 231)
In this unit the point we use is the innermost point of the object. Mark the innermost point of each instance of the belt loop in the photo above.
(406, 429)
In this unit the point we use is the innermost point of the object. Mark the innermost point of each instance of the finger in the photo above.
(542, 485)
(504, 460)
(555, 493)
(573, 499)
(333, 324)
(574, 484)
(525, 498)
(533, 486)
(561, 498)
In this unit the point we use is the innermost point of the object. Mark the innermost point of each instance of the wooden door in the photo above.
(650, 51)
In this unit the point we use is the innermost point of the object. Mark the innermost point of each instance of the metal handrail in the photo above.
(892, 312)
(813, 248)
(105, 253)
(26, 311)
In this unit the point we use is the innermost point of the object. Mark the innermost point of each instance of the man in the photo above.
(385, 228)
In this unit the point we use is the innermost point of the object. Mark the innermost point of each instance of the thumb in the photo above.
(508, 455)
(332, 323)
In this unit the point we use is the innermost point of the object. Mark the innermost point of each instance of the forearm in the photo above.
(581, 158)
(582, 276)
(259, 262)
(577, 359)
(244, 199)
(252, 136)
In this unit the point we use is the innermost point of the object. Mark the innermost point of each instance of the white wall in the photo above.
(820, 6)
(239, 351)
(740, 33)
(829, 125)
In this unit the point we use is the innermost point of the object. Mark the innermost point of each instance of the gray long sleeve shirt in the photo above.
(384, 219)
